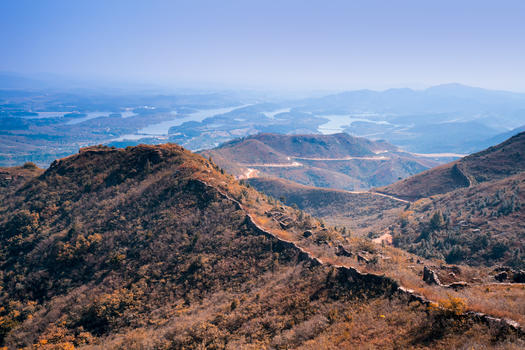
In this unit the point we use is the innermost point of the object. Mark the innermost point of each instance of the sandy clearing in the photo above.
(248, 174)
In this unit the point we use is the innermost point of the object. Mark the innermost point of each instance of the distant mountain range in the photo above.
(336, 161)
(45, 117)
(446, 98)
(444, 118)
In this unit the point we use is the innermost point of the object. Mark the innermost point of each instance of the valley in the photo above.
(467, 211)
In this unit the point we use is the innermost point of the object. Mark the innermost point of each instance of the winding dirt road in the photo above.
(344, 158)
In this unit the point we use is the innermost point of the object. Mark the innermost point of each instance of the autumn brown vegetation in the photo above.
(152, 247)
(478, 220)
(359, 213)
(482, 224)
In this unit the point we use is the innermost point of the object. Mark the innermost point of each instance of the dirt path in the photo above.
(389, 196)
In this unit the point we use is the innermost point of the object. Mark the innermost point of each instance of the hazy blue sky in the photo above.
(290, 44)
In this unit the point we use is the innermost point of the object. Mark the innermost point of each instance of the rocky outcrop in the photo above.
(362, 259)
(505, 274)
(281, 218)
(430, 276)
(519, 277)
(342, 251)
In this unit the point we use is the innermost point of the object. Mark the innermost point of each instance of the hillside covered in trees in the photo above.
(469, 211)
(154, 247)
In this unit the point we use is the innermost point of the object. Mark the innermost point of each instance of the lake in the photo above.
(162, 128)
(337, 122)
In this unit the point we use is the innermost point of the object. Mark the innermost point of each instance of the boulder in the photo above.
(430, 276)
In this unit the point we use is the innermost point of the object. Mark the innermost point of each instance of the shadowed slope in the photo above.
(494, 163)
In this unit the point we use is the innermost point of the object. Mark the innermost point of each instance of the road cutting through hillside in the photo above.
(273, 165)
(344, 158)
(440, 155)
(379, 194)
(389, 196)
(297, 164)
(251, 173)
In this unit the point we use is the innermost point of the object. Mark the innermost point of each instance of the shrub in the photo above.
(437, 221)
(30, 165)
(453, 305)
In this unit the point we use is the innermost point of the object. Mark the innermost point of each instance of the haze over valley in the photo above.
(440, 123)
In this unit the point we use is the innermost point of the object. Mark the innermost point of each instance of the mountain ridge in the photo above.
(496, 162)
(127, 242)
(336, 160)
